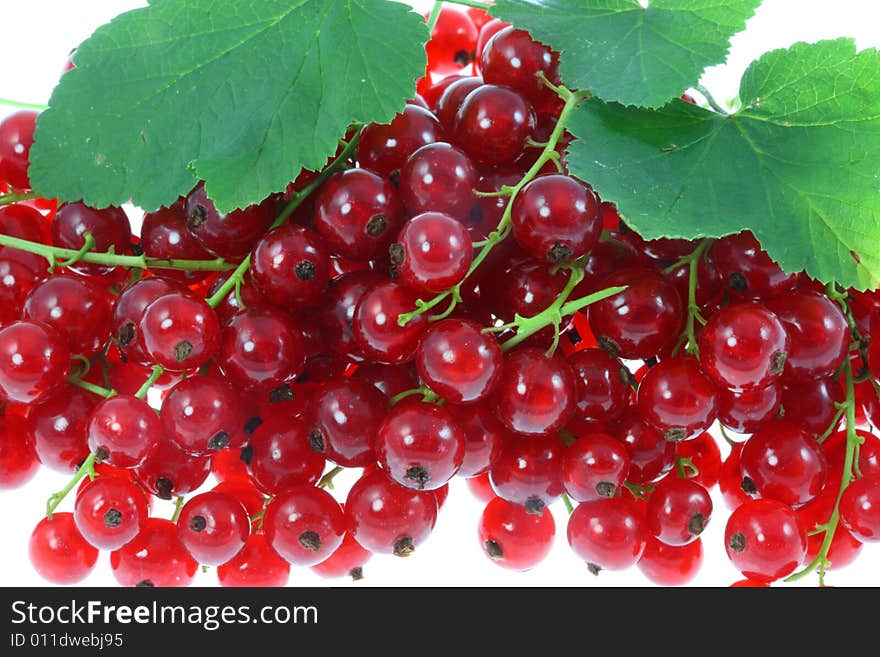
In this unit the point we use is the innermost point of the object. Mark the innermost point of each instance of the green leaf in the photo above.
(621, 51)
(240, 93)
(799, 164)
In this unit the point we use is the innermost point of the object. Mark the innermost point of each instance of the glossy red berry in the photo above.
(358, 214)
(16, 138)
(304, 525)
(376, 326)
(817, 330)
(281, 454)
(594, 466)
(556, 218)
(110, 511)
(60, 428)
(492, 124)
(432, 253)
(77, 308)
(168, 471)
(291, 267)
(743, 346)
(640, 321)
(438, 178)
(213, 527)
(202, 414)
(747, 270)
(164, 234)
(812, 403)
(344, 418)
(419, 445)
(513, 538)
(860, 508)
(651, 455)
(671, 565)
(386, 518)
(34, 362)
(128, 310)
(747, 410)
(484, 435)
(511, 57)
(59, 553)
(782, 462)
(536, 393)
(229, 235)
(528, 471)
(603, 385)
(678, 511)
(384, 148)
(452, 43)
(256, 565)
(608, 534)
(458, 361)
(764, 540)
(123, 430)
(347, 560)
(179, 332)
(260, 349)
(109, 227)
(18, 460)
(336, 312)
(155, 558)
(452, 96)
(676, 398)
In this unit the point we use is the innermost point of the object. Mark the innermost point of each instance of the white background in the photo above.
(36, 37)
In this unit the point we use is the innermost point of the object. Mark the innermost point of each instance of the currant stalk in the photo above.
(235, 279)
(692, 260)
(59, 256)
(6, 199)
(572, 100)
(87, 468)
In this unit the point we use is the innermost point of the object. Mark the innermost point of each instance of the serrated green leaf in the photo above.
(624, 52)
(240, 93)
(799, 164)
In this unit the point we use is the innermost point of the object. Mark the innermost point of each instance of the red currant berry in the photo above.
(860, 509)
(743, 346)
(387, 518)
(376, 326)
(747, 410)
(640, 321)
(201, 414)
(18, 460)
(60, 428)
(678, 511)
(291, 267)
(528, 471)
(260, 349)
(536, 393)
(651, 455)
(59, 553)
(127, 313)
(257, 565)
(123, 430)
(747, 269)
(179, 332)
(677, 399)
(513, 538)
(155, 558)
(227, 235)
(164, 235)
(483, 436)
(492, 124)
(34, 362)
(213, 527)
(438, 178)
(384, 148)
(347, 560)
(304, 525)
(281, 454)
(16, 138)
(671, 565)
(608, 534)
(603, 385)
(452, 96)
(458, 361)
(168, 471)
(432, 253)
(110, 511)
(109, 228)
(556, 218)
(593, 467)
(345, 415)
(511, 57)
(452, 43)
(764, 540)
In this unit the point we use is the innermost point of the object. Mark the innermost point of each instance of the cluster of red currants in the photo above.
(435, 309)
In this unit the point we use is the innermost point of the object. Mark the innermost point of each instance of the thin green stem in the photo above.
(54, 254)
(685, 468)
(87, 468)
(692, 261)
(327, 480)
(158, 370)
(7, 199)
(711, 100)
(88, 245)
(572, 100)
(552, 316)
(296, 200)
(106, 393)
(178, 507)
(820, 562)
(841, 409)
(22, 105)
(568, 505)
(435, 14)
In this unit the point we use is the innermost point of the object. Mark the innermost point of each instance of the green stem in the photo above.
(327, 480)
(23, 105)
(296, 200)
(178, 507)
(87, 468)
(852, 443)
(427, 394)
(711, 100)
(54, 254)
(552, 316)
(435, 14)
(685, 467)
(692, 260)
(568, 505)
(106, 393)
(7, 199)
(88, 245)
(572, 100)
(158, 370)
